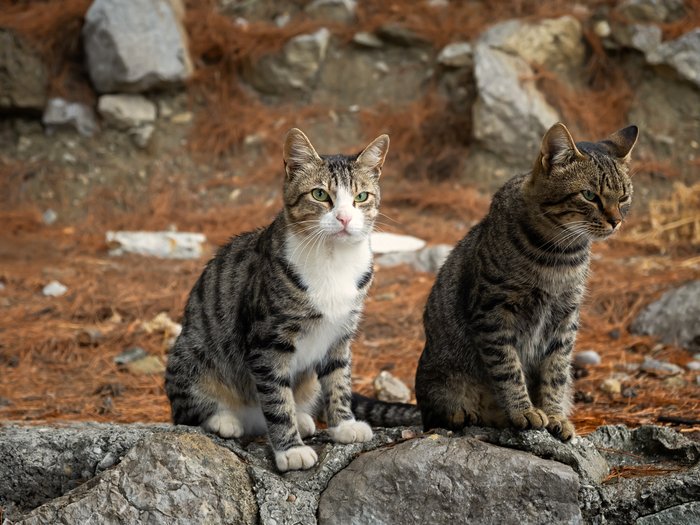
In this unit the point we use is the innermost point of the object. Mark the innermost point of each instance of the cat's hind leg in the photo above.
(224, 423)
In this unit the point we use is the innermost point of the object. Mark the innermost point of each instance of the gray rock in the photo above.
(54, 289)
(336, 10)
(642, 37)
(660, 368)
(586, 358)
(487, 488)
(142, 135)
(164, 479)
(400, 35)
(23, 76)
(61, 114)
(627, 500)
(457, 54)
(292, 70)
(130, 355)
(390, 388)
(362, 77)
(510, 114)
(687, 513)
(674, 318)
(367, 40)
(681, 54)
(135, 46)
(428, 259)
(651, 10)
(579, 454)
(49, 217)
(48, 462)
(126, 111)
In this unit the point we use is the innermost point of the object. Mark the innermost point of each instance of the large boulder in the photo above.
(510, 114)
(135, 46)
(23, 77)
(451, 481)
(674, 318)
(681, 54)
(292, 70)
(165, 479)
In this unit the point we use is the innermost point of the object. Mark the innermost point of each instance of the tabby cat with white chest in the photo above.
(267, 328)
(502, 317)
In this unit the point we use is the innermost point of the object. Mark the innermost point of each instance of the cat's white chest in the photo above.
(331, 276)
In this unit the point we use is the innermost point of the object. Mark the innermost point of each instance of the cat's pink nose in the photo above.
(343, 219)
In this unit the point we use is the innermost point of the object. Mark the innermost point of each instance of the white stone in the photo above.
(428, 259)
(682, 54)
(587, 357)
(126, 111)
(54, 289)
(457, 54)
(166, 245)
(391, 389)
(390, 242)
(60, 113)
(136, 45)
(366, 39)
(693, 365)
(49, 217)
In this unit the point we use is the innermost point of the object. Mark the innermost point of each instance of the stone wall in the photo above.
(161, 474)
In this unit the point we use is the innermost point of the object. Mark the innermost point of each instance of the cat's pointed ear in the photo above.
(373, 156)
(558, 148)
(298, 152)
(621, 142)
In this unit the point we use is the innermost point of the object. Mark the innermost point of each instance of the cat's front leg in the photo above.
(336, 387)
(273, 384)
(505, 373)
(555, 385)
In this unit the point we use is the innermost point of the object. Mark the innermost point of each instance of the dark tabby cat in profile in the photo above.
(267, 327)
(502, 316)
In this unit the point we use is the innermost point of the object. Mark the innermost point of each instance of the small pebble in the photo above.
(660, 368)
(130, 355)
(151, 364)
(88, 337)
(614, 334)
(587, 357)
(674, 382)
(49, 217)
(54, 289)
(611, 386)
(629, 392)
(693, 365)
(391, 389)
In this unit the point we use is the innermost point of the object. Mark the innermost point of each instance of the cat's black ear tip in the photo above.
(631, 131)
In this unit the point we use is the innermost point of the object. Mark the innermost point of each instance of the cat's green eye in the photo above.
(588, 195)
(320, 195)
(362, 196)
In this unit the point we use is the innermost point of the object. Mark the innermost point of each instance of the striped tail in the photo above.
(382, 414)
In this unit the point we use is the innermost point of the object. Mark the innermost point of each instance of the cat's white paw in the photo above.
(351, 432)
(305, 424)
(225, 424)
(296, 458)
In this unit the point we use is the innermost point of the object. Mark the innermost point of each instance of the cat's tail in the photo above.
(383, 414)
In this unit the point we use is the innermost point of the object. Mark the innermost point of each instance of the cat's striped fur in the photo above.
(502, 316)
(267, 327)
